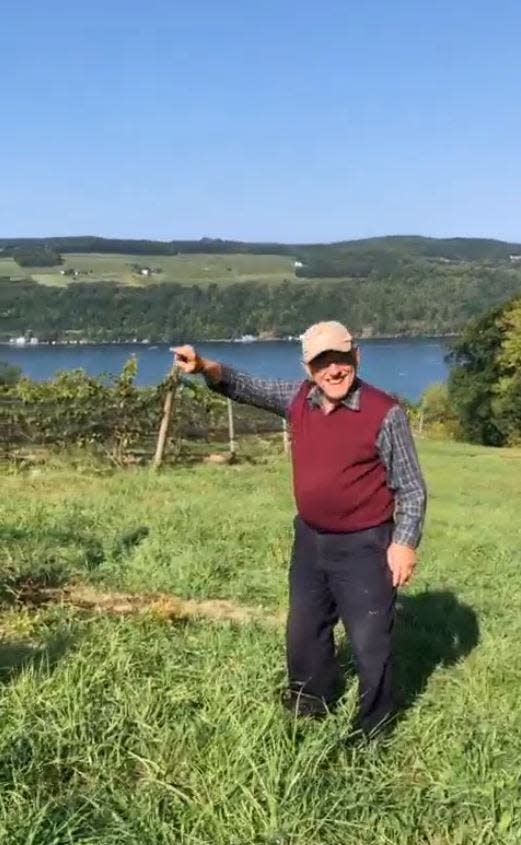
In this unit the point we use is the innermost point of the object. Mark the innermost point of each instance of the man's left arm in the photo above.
(404, 477)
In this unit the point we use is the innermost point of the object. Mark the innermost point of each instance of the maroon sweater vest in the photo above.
(339, 480)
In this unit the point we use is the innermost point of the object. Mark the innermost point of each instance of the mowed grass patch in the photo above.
(184, 269)
(9, 268)
(141, 731)
(191, 541)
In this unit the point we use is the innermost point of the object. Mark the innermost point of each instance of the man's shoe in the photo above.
(360, 737)
(356, 740)
(302, 704)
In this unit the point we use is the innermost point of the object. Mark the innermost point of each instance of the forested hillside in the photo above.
(379, 286)
(433, 302)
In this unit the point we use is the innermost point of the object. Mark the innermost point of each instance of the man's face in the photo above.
(334, 373)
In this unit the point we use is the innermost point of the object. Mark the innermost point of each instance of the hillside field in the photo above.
(183, 269)
(125, 729)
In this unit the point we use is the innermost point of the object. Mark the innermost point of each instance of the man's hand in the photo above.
(188, 360)
(401, 561)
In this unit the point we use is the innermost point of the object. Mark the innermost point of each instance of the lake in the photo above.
(403, 366)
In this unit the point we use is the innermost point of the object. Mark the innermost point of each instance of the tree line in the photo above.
(465, 249)
(343, 258)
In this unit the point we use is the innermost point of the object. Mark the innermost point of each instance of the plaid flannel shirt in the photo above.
(394, 443)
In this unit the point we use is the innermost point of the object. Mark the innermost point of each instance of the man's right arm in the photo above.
(273, 395)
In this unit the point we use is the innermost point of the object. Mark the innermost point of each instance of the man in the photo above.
(360, 501)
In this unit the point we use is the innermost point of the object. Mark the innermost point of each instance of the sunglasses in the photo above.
(323, 360)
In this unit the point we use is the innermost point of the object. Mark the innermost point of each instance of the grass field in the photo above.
(140, 729)
(184, 269)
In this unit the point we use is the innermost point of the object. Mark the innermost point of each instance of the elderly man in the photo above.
(360, 499)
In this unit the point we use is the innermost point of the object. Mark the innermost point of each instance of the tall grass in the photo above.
(140, 730)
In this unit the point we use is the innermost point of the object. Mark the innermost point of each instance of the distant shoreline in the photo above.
(148, 343)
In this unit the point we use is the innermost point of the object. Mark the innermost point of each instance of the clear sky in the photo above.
(291, 120)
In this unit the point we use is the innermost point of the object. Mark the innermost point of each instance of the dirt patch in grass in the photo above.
(161, 605)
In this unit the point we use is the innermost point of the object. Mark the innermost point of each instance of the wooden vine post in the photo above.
(171, 387)
(231, 431)
(285, 436)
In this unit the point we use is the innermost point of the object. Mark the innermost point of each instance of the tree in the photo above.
(436, 414)
(507, 402)
(36, 256)
(485, 382)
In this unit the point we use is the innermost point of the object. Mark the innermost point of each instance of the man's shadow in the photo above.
(17, 655)
(433, 629)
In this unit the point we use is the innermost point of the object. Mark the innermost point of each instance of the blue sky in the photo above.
(260, 119)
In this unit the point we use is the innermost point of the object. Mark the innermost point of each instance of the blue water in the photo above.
(405, 367)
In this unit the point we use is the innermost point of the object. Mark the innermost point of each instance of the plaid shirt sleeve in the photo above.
(398, 454)
(270, 394)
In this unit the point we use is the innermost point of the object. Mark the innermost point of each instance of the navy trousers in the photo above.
(346, 577)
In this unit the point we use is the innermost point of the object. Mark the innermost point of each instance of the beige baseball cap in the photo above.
(328, 336)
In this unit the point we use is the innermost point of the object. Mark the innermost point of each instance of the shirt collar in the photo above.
(351, 401)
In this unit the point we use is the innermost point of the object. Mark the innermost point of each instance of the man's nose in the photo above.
(333, 369)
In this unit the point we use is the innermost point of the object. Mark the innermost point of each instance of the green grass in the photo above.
(9, 267)
(142, 731)
(184, 269)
